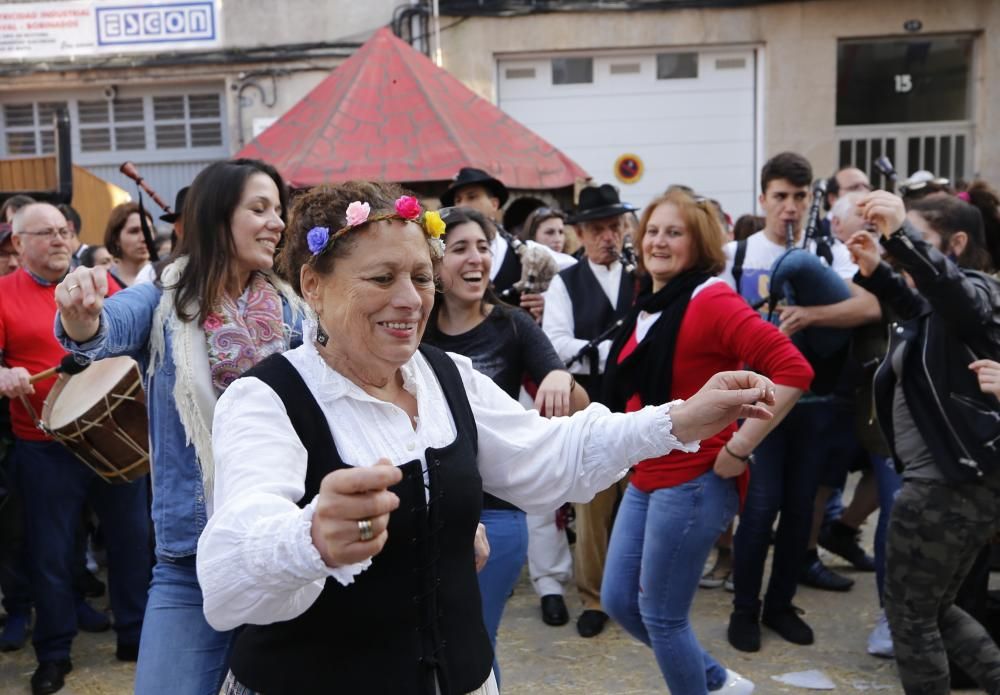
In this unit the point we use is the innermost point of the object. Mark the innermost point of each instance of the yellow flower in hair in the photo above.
(433, 224)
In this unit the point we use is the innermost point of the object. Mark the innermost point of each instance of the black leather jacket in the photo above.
(949, 321)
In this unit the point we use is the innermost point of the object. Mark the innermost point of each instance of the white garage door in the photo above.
(688, 116)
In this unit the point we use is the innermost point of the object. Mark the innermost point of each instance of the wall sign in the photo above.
(32, 31)
(628, 168)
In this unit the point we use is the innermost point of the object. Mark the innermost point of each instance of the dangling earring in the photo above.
(322, 337)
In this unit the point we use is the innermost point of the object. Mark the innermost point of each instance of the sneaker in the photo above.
(720, 571)
(15, 632)
(840, 539)
(744, 631)
(729, 585)
(735, 685)
(819, 576)
(787, 623)
(880, 640)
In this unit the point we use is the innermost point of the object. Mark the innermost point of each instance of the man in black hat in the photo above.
(583, 302)
(474, 188)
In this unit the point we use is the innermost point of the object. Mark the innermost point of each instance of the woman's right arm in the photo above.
(262, 558)
(96, 327)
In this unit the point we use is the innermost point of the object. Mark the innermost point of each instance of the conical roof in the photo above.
(389, 113)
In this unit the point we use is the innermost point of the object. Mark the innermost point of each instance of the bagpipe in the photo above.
(799, 277)
(538, 267)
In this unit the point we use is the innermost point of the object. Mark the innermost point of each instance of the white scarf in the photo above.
(194, 394)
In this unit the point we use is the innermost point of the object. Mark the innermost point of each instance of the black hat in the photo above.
(178, 206)
(598, 203)
(467, 176)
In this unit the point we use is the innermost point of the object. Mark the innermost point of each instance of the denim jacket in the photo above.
(179, 508)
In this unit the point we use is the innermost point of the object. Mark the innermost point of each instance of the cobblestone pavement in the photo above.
(538, 659)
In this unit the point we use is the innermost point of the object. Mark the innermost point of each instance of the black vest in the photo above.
(415, 613)
(510, 270)
(592, 312)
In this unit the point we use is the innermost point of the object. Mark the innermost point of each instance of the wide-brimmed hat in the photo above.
(598, 203)
(468, 176)
(178, 206)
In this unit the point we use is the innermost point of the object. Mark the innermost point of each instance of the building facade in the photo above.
(641, 93)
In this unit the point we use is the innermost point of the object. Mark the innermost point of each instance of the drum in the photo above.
(100, 415)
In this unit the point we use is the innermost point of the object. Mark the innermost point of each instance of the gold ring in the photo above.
(71, 288)
(365, 530)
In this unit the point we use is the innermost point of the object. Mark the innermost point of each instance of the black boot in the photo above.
(840, 539)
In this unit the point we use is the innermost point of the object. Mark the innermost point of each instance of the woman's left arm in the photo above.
(538, 464)
(555, 384)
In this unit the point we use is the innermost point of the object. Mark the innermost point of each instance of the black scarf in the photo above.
(648, 370)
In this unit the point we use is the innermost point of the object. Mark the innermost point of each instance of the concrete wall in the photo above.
(799, 43)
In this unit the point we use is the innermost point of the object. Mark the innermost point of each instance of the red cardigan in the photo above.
(719, 332)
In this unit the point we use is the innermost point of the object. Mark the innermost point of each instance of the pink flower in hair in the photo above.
(408, 207)
(357, 213)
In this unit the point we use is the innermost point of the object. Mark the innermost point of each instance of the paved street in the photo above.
(537, 659)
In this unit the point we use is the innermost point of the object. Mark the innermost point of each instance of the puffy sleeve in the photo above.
(256, 560)
(538, 463)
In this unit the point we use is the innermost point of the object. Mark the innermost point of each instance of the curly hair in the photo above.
(326, 206)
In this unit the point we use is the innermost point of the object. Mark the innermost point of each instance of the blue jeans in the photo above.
(507, 533)
(54, 486)
(658, 548)
(784, 478)
(888, 482)
(179, 651)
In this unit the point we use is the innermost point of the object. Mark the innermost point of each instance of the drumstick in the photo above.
(69, 365)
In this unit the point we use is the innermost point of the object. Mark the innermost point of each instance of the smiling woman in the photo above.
(216, 311)
(351, 469)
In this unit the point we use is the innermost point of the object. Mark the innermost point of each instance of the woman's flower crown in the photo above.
(358, 213)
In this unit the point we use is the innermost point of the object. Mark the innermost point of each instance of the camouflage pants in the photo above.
(935, 532)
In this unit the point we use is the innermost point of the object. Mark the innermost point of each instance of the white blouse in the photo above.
(256, 560)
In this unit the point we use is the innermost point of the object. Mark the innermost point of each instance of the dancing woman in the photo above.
(219, 310)
(339, 580)
(686, 326)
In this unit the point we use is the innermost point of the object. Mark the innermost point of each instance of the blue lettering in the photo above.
(112, 25)
(198, 21)
(133, 26)
(174, 21)
(152, 25)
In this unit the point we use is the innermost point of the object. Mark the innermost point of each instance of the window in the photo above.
(28, 128)
(189, 120)
(572, 70)
(676, 66)
(916, 80)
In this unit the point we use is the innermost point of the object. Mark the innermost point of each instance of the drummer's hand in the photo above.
(14, 382)
(883, 209)
(794, 318)
(534, 304)
(725, 398)
(481, 546)
(346, 497)
(80, 297)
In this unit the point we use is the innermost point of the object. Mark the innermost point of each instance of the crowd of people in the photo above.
(367, 415)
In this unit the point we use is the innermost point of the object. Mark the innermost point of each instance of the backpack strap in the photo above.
(741, 254)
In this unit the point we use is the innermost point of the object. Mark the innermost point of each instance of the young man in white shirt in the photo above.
(790, 462)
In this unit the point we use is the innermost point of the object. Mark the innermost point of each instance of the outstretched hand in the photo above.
(725, 398)
(883, 209)
(79, 298)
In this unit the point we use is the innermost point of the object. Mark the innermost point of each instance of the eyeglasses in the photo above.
(51, 233)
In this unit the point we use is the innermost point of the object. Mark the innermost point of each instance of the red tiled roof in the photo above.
(389, 113)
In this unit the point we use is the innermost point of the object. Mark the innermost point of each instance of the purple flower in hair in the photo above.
(317, 239)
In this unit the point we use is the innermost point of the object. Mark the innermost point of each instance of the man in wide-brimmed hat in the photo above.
(583, 302)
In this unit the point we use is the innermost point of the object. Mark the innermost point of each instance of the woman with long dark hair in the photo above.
(123, 238)
(217, 310)
(505, 344)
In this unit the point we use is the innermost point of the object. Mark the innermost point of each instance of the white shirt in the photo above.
(761, 255)
(558, 321)
(256, 560)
